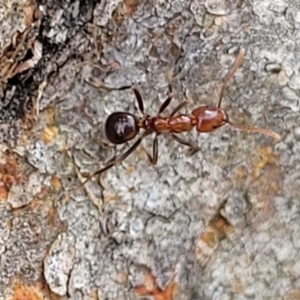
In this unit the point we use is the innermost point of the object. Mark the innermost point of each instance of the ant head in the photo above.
(121, 127)
(209, 118)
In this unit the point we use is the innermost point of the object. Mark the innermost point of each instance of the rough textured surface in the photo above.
(222, 224)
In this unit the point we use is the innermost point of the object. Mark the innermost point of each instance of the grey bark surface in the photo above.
(151, 221)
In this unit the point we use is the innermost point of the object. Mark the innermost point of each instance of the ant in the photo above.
(121, 127)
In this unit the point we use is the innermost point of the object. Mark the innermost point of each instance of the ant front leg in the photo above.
(179, 107)
(166, 102)
(139, 100)
(193, 148)
(138, 97)
(99, 84)
(235, 67)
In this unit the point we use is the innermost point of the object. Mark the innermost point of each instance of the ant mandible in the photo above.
(121, 127)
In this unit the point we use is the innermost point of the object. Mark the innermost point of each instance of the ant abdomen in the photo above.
(121, 127)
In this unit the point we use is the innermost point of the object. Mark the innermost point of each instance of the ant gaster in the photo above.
(121, 127)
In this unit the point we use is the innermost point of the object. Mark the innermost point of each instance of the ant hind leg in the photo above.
(193, 148)
(166, 102)
(114, 162)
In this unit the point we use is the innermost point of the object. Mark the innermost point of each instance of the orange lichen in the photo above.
(237, 286)
(118, 14)
(293, 295)
(150, 288)
(50, 131)
(262, 191)
(218, 229)
(43, 193)
(110, 198)
(56, 183)
(209, 238)
(23, 292)
(131, 6)
(10, 173)
(123, 9)
(31, 12)
(49, 115)
(241, 174)
(262, 179)
(221, 226)
(49, 134)
(264, 157)
(55, 222)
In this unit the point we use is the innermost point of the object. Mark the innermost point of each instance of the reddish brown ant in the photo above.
(121, 127)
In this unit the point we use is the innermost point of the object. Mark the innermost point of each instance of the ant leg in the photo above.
(166, 102)
(138, 97)
(255, 129)
(192, 147)
(236, 65)
(139, 100)
(178, 107)
(99, 84)
(126, 87)
(153, 159)
(117, 160)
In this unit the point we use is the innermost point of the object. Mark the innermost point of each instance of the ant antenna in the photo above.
(255, 129)
(236, 65)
